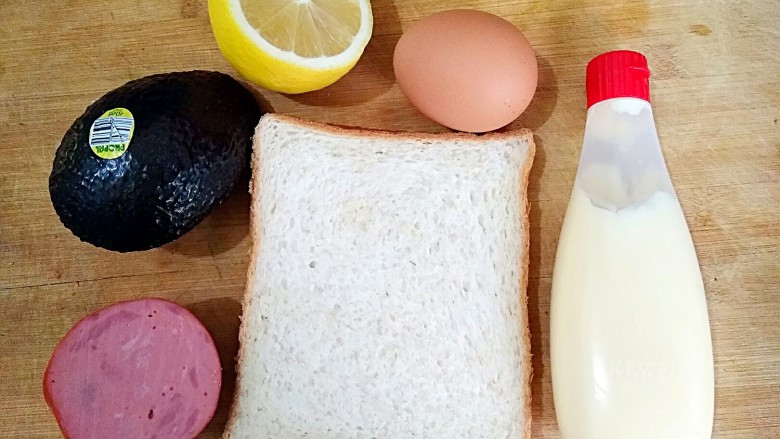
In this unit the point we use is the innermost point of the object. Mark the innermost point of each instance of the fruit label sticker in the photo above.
(110, 134)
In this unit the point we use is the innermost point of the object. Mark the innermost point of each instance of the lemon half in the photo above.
(292, 46)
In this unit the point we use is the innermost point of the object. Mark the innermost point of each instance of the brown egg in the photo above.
(465, 69)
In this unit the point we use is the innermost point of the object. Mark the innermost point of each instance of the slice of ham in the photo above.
(146, 368)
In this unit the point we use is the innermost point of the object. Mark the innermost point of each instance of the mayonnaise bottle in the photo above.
(631, 350)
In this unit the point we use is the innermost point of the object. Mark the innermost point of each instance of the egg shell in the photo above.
(468, 70)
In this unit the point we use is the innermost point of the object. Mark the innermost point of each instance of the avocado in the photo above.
(149, 160)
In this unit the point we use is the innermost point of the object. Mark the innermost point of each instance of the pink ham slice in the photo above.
(145, 368)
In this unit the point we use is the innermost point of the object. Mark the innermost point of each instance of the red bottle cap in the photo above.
(618, 74)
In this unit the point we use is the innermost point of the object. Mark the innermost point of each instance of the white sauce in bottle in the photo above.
(631, 351)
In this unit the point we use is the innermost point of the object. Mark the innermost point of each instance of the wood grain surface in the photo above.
(716, 96)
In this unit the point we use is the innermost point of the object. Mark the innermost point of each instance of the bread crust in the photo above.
(366, 133)
(525, 174)
(254, 222)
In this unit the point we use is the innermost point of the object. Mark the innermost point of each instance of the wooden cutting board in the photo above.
(715, 92)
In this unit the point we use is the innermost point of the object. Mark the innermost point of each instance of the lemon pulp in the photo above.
(308, 28)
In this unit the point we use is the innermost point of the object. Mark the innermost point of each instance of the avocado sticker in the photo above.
(111, 133)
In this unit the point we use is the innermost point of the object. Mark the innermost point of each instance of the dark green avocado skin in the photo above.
(191, 143)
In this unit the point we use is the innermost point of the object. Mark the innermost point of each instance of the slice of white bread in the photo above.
(386, 295)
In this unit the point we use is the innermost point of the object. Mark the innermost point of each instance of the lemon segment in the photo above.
(291, 46)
